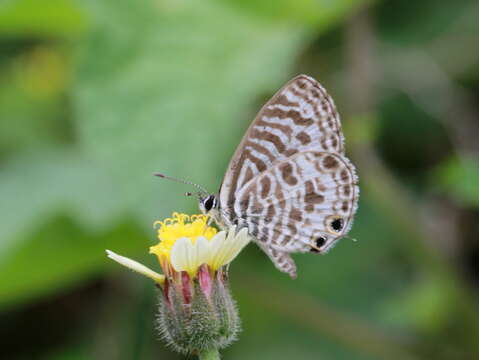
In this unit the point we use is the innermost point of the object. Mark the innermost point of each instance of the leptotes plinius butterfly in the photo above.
(289, 181)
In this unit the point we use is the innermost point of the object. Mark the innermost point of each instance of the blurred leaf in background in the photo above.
(460, 178)
(95, 96)
(147, 95)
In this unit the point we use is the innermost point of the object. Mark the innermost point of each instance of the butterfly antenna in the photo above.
(163, 176)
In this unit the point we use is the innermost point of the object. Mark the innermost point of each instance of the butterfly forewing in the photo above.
(301, 116)
(288, 179)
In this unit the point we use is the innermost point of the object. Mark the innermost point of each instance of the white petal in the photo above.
(186, 256)
(239, 242)
(215, 245)
(179, 254)
(203, 248)
(226, 249)
(136, 266)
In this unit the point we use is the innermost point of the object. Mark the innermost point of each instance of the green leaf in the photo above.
(32, 97)
(36, 187)
(460, 178)
(42, 249)
(69, 352)
(40, 18)
(424, 305)
(59, 255)
(415, 24)
(317, 13)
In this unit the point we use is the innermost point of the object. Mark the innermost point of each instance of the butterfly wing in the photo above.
(303, 204)
(300, 118)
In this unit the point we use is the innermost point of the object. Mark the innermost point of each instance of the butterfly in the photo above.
(289, 181)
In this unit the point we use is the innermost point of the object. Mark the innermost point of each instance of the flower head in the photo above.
(196, 311)
(177, 227)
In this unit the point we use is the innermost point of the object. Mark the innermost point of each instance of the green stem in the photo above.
(211, 354)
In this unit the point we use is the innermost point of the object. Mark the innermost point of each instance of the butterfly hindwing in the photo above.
(303, 204)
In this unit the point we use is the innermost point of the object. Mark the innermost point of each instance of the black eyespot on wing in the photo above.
(319, 242)
(337, 224)
(209, 202)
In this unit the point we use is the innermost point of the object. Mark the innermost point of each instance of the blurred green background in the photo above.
(97, 95)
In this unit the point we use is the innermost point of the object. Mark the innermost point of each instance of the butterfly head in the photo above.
(208, 203)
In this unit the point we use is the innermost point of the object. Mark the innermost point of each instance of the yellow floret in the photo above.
(177, 227)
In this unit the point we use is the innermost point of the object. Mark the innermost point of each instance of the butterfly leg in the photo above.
(280, 259)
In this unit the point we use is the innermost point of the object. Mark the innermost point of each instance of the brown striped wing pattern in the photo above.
(289, 181)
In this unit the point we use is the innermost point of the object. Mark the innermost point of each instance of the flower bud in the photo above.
(197, 312)
(194, 318)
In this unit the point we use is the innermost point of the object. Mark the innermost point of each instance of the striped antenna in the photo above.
(163, 176)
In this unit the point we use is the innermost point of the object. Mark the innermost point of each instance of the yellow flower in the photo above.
(186, 243)
(177, 227)
(195, 297)
(188, 255)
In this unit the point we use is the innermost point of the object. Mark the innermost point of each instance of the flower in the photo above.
(197, 311)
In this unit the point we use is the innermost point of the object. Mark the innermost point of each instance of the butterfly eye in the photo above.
(335, 224)
(209, 203)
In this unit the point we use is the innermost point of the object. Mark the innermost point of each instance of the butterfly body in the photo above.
(289, 181)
